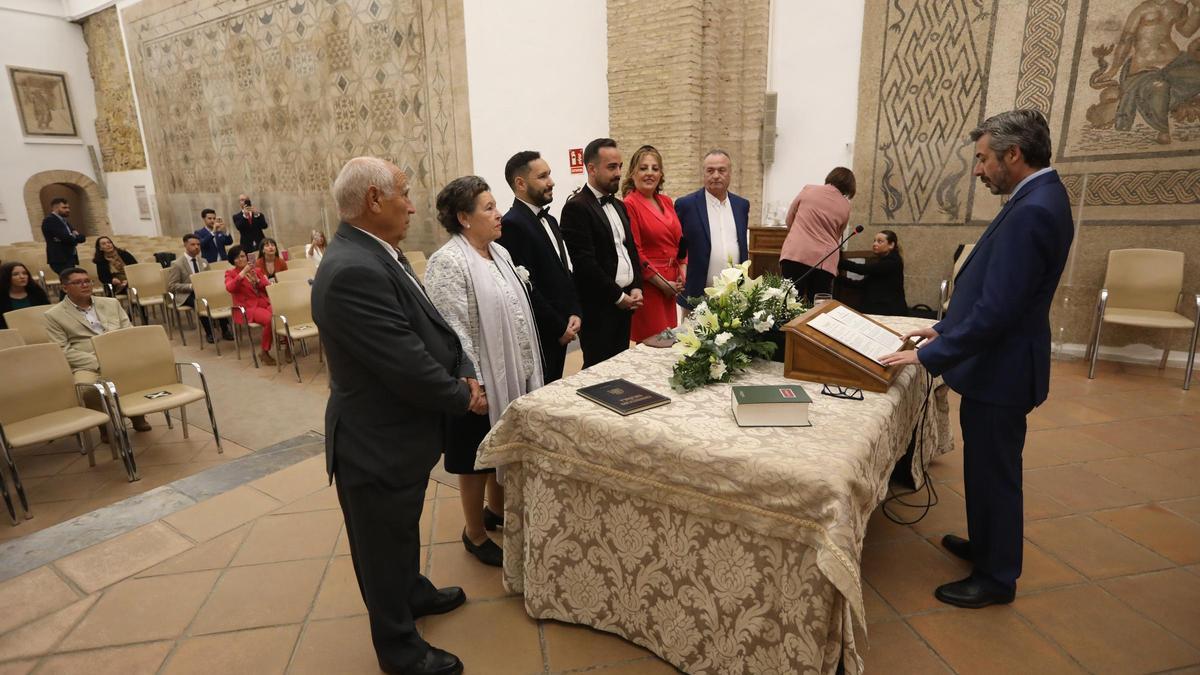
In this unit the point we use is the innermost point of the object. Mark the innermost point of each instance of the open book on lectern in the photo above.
(857, 332)
(833, 344)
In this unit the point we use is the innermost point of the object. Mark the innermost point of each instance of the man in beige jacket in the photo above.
(73, 323)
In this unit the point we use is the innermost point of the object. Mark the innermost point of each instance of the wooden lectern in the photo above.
(813, 356)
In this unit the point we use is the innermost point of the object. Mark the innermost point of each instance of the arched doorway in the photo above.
(77, 198)
(89, 208)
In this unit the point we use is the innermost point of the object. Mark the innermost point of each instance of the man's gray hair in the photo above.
(1026, 129)
(356, 177)
(717, 151)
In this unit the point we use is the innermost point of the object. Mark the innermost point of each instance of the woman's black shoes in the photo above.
(491, 521)
(488, 552)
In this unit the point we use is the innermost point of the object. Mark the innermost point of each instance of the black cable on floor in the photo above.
(931, 499)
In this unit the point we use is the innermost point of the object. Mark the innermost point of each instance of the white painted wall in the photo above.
(26, 36)
(537, 76)
(813, 66)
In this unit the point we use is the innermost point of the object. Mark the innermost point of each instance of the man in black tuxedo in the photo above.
(607, 276)
(250, 224)
(396, 371)
(533, 238)
(61, 237)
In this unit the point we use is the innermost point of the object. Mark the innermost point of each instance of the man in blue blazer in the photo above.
(993, 346)
(213, 237)
(61, 236)
(715, 225)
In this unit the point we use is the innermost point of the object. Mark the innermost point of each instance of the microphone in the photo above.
(856, 230)
(646, 265)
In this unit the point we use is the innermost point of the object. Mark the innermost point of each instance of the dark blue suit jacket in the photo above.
(212, 244)
(692, 210)
(993, 344)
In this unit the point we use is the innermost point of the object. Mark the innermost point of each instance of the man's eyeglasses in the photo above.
(80, 282)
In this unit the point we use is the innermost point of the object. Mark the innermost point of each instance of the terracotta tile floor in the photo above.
(259, 580)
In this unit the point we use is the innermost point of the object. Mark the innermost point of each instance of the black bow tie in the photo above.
(543, 213)
(607, 199)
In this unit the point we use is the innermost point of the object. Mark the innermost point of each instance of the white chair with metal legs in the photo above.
(148, 288)
(41, 402)
(214, 303)
(146, 378)
(946, 288)
(291, 314)
(1143, 287)
(30, 322)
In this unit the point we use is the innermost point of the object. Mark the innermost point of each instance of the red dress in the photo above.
(656, 234)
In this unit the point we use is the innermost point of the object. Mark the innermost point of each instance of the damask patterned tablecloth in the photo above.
(723, 549)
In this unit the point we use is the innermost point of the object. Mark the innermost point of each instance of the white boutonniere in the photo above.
(523, 275)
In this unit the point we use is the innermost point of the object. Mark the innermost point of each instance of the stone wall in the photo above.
(272, 97)
(687, 76)
(933, 69)
(116, 116)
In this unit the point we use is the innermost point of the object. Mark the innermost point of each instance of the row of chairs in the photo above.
(42, 402)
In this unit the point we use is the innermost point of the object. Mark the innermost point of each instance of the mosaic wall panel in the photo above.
(1119, 81)
(116, 116)
(271, 98)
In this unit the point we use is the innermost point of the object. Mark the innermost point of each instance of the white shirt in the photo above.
(1028, 178)
(395, 256)
(193, 263)
(550, 236)
(624, 275)
(92, 317)
(722, 232)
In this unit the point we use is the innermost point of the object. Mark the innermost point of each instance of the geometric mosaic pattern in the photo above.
(1137, 188)
(932, 95)
(275, 97)
(1039, 54)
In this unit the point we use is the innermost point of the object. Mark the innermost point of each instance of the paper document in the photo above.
(857, 332)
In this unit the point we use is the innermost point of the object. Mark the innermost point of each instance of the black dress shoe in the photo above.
(227, 336)
(444, 600)
(492, 520)
(960, 547)
(435, 662)
(488, 552)
(974, 593)
(208, 338)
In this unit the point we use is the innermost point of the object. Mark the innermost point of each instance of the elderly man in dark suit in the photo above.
(993, 346)
(396, 371)
(607, 269)
(534, 240)
(61, 237)
(715, 225)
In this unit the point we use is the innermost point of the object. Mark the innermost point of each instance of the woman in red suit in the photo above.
(657, 234)
(248, 286)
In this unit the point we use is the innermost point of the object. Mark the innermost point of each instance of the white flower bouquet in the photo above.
(731, 326)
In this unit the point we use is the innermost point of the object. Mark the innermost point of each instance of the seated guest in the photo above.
(815, 221)
(532, 237)
(213, 237)
(72, 323)
(250, 224)
(248, 286)
(110, 264)
(657, 235)
(474, 284)
(269, 261)
(315, 250)
(179, 282)
(715, 224)
(18, 290)
(883, 278)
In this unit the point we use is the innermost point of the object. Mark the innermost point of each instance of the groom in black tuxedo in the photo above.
(607, 269)
(535, 242)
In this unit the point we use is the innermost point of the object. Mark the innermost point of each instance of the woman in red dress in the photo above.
(657, 235)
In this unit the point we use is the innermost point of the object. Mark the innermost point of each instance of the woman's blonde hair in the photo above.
(627, 182)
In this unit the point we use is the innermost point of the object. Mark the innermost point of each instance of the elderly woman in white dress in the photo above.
(482, 295)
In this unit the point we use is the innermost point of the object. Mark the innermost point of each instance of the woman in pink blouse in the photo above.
(816, 219)
(656, 233)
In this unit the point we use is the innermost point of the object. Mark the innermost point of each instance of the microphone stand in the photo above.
(837, 248)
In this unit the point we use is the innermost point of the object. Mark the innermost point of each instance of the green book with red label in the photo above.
(770, 405)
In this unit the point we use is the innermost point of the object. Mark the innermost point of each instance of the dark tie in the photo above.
(408, 268)
(195, 266)
(544, 215)
(607, 199)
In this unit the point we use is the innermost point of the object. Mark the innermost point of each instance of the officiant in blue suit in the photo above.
(993, 346)
(715, 226)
